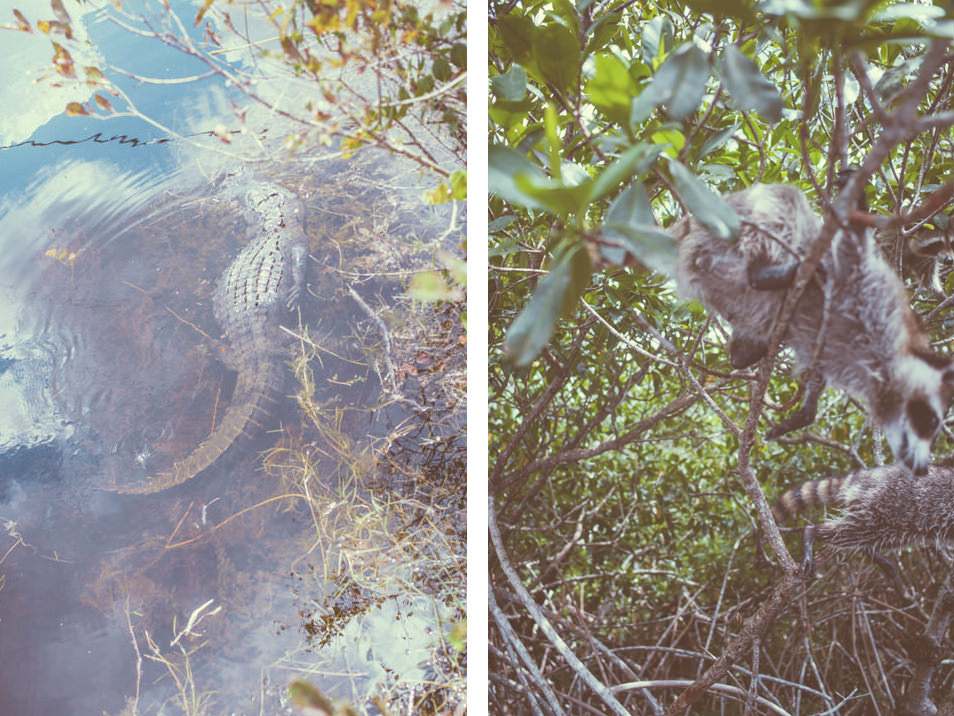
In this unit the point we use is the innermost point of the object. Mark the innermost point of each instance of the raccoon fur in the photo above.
(874, 348)
(882, 508)
(927, 256)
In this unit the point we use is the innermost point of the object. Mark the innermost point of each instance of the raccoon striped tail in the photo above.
(827, 491)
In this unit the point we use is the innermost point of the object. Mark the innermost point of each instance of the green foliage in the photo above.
(614, 480)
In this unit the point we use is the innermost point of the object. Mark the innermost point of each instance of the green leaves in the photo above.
(557, 54)
(681, 80)
(708, 208)
(504, 165)
(550, 52)
(656, 38)
(556, 295)
(611, 88)
(570, 190)
(630, 220)
(749, 88)
(635, 161)
(510, 86)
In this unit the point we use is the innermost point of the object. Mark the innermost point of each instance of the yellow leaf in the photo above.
(62, 61)
(22, 23)
(439, 195)
(74, 109)
(305, 696)
(201, 14)
(60, 11)
(103, 103)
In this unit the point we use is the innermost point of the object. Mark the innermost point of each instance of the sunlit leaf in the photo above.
(750, 88)
(306, 697)
(74, 109)
(204, 9)
(563, 197)
(431, 287)
(22, 23)
(43, 26)
(634, 161)
(672, 140)
(611, 88)
(64, 256)
(62, 61)
(439, 194)
(656, 38)
(556, 294)
(557, 52)
(680, 81)
(708, 208)
(102, 102)
(458, 182)
(458, 636)
(510, 86)
(504, 166)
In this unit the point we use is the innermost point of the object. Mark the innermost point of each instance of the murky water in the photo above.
(336, 558)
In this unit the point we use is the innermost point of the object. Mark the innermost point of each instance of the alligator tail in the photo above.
(259, 386)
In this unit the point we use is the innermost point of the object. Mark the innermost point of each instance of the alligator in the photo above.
(264, 281)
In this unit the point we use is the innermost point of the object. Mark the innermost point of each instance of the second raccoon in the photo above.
(883, 507)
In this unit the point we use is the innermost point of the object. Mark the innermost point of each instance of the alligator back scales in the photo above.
(258, 288)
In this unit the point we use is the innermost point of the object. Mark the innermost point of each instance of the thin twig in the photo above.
(382, 326)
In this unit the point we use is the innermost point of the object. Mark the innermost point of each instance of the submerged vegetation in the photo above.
(348, 546)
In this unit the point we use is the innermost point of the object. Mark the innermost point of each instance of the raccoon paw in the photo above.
(772, 277)
(745, 351)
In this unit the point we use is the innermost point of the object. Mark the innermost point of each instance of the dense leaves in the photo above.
(615, 417)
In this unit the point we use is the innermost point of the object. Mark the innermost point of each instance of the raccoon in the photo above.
(874, 348)
(883, 508)
(927, 256)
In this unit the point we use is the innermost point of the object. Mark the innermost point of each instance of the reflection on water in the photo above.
(337, 557)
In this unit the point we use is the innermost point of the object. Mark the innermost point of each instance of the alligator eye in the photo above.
(923, 418)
